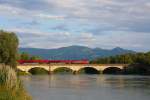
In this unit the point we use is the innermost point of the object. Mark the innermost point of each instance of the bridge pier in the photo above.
(100, 72)
(75, 72)
(51, 72)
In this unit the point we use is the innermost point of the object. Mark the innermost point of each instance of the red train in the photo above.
(54, 61)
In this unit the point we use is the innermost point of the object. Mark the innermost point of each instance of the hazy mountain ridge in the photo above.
(74, 52)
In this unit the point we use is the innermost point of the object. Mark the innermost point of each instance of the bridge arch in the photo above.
(88, 70)
(63, 70)
(26, 68)
(38, 70)
(112, 70)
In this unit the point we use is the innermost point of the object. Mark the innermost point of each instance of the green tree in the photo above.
(35, 58)
(8, 48)
(24, 56)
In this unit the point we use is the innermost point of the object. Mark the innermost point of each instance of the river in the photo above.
(88, 87)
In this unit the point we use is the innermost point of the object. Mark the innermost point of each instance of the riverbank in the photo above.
(11, 87)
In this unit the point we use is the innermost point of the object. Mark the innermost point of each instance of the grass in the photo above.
(11, 87)
(22, 73)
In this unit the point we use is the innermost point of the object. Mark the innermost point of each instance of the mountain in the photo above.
(74, 52)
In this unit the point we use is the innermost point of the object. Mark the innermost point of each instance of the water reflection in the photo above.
(88, 87)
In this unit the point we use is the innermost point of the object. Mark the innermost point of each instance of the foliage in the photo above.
(19, 72)
(63, 70)
(141, 58)
(26, 56)
(38, 71)
(35, 58)
(119, 59)
(139, 63)
(8, 48)
(11, 87)
(8, 77)
(9, 94)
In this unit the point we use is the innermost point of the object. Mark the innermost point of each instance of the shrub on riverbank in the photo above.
(63, 70)
(137, 69)
(38, 71)
(22, 73)
(11, 87)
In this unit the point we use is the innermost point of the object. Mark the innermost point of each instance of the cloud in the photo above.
(49, 16)
(110, 39)
(95, 23)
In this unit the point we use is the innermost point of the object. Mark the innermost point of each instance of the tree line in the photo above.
(26, 56)
(139, 63)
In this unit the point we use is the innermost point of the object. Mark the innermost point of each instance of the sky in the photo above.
(94, 23)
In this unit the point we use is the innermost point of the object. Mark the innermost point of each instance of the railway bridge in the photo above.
(74, 67)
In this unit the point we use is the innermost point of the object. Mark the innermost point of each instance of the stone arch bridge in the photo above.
(73, 67)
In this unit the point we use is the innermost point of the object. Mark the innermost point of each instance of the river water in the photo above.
(88, 87)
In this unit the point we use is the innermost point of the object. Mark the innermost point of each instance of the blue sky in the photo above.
(94, 23)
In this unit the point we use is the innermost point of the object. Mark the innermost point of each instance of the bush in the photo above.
(20, 72)
(11, 87)
(38, 71)
(63, 70)
(8, 77)
(137, 69)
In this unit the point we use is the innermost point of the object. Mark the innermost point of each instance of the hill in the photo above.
(74, 52)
